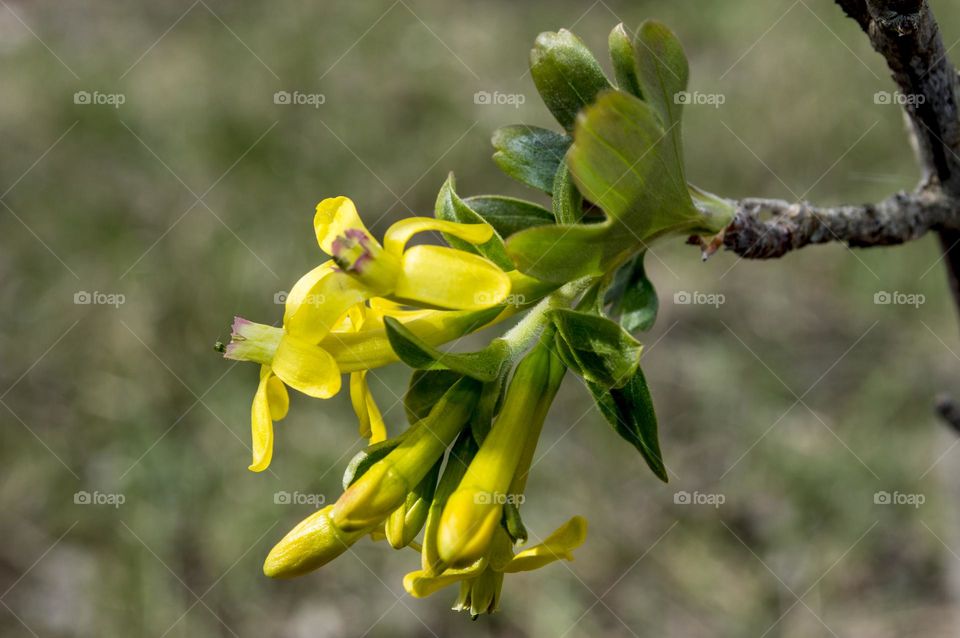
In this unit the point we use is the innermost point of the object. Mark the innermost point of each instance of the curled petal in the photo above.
(261, 420)
(368, 414)
(397, 236)
(334, 217)
(557, 546)
(448, 278)
(302, 291)
(419, 585)
(306, 367)
(324, 305)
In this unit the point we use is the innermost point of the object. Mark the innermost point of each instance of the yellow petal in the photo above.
(365, 406)
(330, 297)
(262, 424)
(277, 397)
(419, 585)
(397, 236)
(448, 278)
(302, 290)
(306, 367)
(557, 546)
(334, 217)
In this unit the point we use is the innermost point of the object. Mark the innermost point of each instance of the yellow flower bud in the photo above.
(313, 543)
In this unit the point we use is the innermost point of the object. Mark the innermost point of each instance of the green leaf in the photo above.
(362, 461)
(630, 411)
(636, 303)
(624, 61)
(566, 74)
(483, 365)
(426, 387)
(597, 349)
(623, 161)
(451, 208)
(509, 215)
(664, 74)
(530, 154)
(567, 200)
(561, 253)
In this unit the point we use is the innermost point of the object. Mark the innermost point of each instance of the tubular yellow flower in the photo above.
(473, 512)
(386, 484)
(313, 543)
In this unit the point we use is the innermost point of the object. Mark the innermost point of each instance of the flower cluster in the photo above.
(455, 478)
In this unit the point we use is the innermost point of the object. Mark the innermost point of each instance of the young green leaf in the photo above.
(597, 349)
(451, 208)
(483, 365)
(635, 301)
(530, 154)
(509, 215)
(561, 253)
(566, 74)
(624, 61)
(567, 200)
(664, 74)
(622, 160)
(630, 411)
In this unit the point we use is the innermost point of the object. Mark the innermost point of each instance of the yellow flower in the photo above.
(474, 511)
(322, 301)
(481, 581)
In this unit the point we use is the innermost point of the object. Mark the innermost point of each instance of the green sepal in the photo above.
(598, 349)
(513, 524)
(566, 74)
(451, 208)
(426, 387)
(530, 154)
(624, 61)
(633, 296)
(483, 365)
(630, 411)
(509, 215)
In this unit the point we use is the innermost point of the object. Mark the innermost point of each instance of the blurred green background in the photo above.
(796, 400)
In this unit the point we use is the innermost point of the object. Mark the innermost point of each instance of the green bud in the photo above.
(566, 74)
